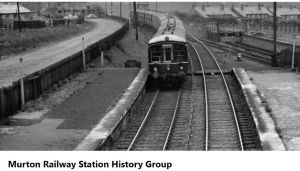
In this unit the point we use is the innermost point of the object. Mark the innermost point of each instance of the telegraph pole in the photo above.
(120, 9)
(19, 22)
(273, 63)
(156, 5)
(111, 11)
(136, 21)
(106, 8)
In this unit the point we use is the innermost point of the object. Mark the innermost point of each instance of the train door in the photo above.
(167, 52)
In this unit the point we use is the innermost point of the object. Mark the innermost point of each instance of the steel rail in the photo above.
(144, 121)
(249, 55)
(228, 92)
(205, 96)
(172, 122)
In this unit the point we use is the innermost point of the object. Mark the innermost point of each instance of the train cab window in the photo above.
(156, 53)
(168, 54)
(167, 49)
(179, 52)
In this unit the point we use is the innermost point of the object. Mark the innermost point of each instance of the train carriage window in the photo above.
(180, 52)
(156, 53)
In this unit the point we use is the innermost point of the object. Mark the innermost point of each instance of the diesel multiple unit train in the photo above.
(167, 51)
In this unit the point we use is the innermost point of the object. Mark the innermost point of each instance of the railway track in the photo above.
(252, 55)
(152, 130)
(224, 128)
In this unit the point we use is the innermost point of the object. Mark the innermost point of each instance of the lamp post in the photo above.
(120, 9)
(111, 8)
(106, 9)
(22, 85)
(136, 21)
(293, 53)
(83, 55)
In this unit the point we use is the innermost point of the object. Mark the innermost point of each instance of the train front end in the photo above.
(167, 54)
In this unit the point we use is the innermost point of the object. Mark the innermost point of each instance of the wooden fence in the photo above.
(29, 24)
(38, 82)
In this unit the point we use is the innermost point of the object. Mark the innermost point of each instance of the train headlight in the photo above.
(168, 68)
(181, 67)
(155, 69)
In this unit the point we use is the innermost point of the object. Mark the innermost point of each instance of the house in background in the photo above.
(208, 12)
(35, 7)
(10, 11)
(252, 12)
(287, 13)
(9, 14)
(58, 8)
(70, 8)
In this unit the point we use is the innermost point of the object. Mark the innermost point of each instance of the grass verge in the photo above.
(14, 42)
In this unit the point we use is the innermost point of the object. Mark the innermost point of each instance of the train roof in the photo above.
(171, 28)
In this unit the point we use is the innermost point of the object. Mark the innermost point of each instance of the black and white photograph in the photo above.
(149, 76)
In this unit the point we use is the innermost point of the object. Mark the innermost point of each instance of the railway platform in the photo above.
(64, 127)
(281, 89)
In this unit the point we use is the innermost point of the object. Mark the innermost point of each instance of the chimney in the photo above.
(259, 7)
(291, 7)
(242, 7)
(203, 7)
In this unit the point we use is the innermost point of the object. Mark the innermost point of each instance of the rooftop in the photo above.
(281, 11)
(11, 8)
(208, 11)
(246, 10)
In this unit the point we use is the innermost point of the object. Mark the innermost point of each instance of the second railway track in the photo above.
(226, 122)
(254, 54)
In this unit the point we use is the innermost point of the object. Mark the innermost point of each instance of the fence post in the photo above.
(293, 55)
(22, 86)
(83, 55)
(102, 58)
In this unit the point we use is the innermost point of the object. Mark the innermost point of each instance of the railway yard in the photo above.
(224, 104)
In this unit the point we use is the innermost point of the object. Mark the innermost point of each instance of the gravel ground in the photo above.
(281, 89)
(228, 61)
(128, 48)
(38, 59)
(281, 36)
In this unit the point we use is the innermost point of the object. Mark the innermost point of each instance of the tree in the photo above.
(97, 9)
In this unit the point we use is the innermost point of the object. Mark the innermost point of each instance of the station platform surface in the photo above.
(281, 89)
(64, 127)
(11, 69)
